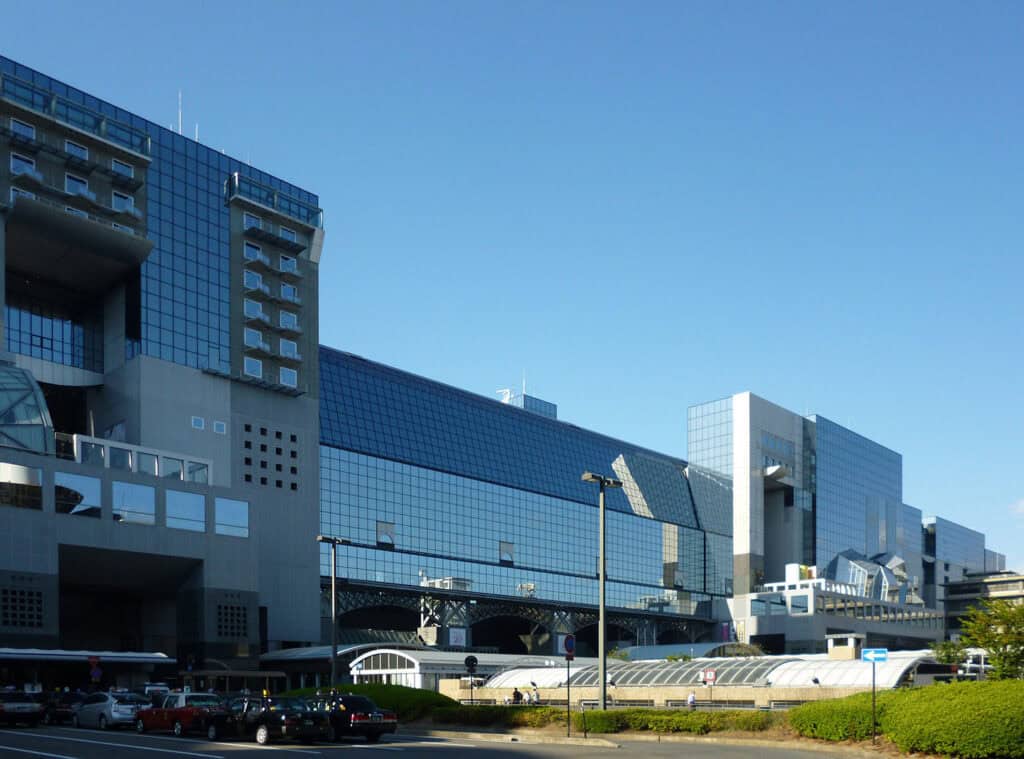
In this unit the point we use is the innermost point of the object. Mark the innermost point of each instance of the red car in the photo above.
(183, 713)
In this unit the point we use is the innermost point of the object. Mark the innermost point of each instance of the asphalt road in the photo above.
(69, 743)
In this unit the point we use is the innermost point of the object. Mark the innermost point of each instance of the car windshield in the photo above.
(286, 704)
(131, 699)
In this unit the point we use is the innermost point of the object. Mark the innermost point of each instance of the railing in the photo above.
(74, 115)
(110, 454)
(276, 200)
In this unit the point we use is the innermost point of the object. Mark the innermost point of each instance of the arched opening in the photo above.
(616, 636)
(379, 619)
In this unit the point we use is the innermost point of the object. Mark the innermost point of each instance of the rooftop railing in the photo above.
(275, 200)
(42, 101)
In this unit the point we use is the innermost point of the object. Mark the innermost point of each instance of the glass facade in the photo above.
(473, 489)
(957, 546)
(183, 288)
(709, 435)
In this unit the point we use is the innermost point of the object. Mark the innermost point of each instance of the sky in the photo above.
(637, 206)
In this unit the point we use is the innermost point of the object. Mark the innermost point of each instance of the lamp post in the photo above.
(334, 543)
(602, 482)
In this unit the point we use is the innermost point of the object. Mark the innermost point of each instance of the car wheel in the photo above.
(103, 722)
(140, 726)
(211, 732)
(74, 721)
(262, 735)
(178, 729)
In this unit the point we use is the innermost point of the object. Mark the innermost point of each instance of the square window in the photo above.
(293, 438)
(263, 480)
(248, 428)
(277, 434)
(253, 309)
(252, 221)
(253, 338)
(294, 470)
(248, 444)
(22, 129)
(22, 165)
(198, 423)
(248, 478)
(76, 185)
(78, 151)
(263, 465)
(277, 451)
(295, 454)
(122, 168)
(221, 428)
(295, 486)
(248, 460)
(263, 447)
(288, 377)
(278, 483)
(277, 467)
(263, 431)
(253, 367)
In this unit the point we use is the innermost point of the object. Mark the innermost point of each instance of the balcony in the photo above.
(256, 259)
(277, 202)
(260, 291)
(110, 454)
(290, 358)
(291, 329)
(24, 176)
(128, 212)
(258, 318)
(294, 300)
(21, 142)
(265, 235)
(261, 348)
(291, 273)
(71, 115)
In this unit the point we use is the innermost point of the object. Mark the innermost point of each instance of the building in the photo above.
(466, 519)
(159, 463)
(819, 521)
(962, 594)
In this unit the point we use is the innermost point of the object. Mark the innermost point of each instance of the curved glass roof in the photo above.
(24, 416)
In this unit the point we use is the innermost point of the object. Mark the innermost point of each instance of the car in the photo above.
(61, 707)
(264, 718)
(109, 709)
(350, 715)
(20, 707)
(183, 713)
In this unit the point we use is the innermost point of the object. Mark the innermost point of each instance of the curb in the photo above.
(531, 738)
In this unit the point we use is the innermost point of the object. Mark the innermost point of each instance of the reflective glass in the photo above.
(77, 495)
(231, 517)
(133, 503)
(186, 511)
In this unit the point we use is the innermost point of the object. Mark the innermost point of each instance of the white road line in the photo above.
(35, 752)
(117, 745)
(378, 747)
(223, 744)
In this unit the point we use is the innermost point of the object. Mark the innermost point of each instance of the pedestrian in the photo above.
(536, 695)
(691, 701)
(517, 697)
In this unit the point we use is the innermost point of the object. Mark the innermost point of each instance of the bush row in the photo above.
(499, 716)
(408, 703)
(973, 720)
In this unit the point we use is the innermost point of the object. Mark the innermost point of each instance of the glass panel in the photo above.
(231, 517)
(171, 468)
(134, 503)
(78, 151)
(78, 495)
(251, 221)
(186, 511)
(146, 463)
(122, 168)
(120, 458)
(122, 202)
(288, 234)
(253, 367)
(93, 453)
(198, 472)
(288, 377)
(21, 487)
(22, 129)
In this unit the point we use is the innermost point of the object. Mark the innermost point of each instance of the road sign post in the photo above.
(874, 655)
(471, 662)
(569, 646)
(710, 676)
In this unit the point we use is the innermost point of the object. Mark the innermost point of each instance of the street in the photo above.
(69, 743)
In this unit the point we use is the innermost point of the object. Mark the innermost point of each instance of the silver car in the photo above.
(105, 710)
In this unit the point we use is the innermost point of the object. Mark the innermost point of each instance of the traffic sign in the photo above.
(471, 662)
(569, 646)
(710, 675)
(874, 654)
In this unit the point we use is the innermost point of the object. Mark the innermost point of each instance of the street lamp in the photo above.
(603, 482)
(334, 543)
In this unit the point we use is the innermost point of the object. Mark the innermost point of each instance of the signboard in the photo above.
(569, 646)
(710, 676)
(456, 636)
(874, 654)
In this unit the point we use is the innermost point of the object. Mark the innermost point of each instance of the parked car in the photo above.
(61, 707)
(264, 718)
(183, 713)
(108, 709)
(350, 716)
(20, 707)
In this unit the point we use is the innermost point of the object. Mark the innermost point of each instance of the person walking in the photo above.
(517, 696)
(691, 701)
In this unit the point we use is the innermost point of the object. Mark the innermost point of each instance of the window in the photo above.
(253, 337)
(253, 367)
(171, 469)
(252, 280)
(75, 185)
(21, 487)
(122, 202)
(134, 503)
(198, 472)
(289, 264)
(22, 165)
(288, 320)
(231, 517)
(386, 535)
(146, 463)
(289, 292)
(78, 495)
(252, 221)
(288, 377)
(78, 151)
(27, 131)
(252, 252)
(120, 458)
(122, 168)
(253, 309)
(186, 511)
(289, 348)
(220, 428)
(506, 553)
(19, 193)
(798, 604)
(198, 423)
(287, 234)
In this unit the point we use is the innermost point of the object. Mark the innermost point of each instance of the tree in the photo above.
(998, 627)
(949, 651)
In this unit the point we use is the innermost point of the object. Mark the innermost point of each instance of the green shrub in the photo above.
(673, 721)
(966, 719)
(498, 716)
(599, 722)
(840, 719)
(408, 703)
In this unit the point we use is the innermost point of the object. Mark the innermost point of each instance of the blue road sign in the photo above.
(569, 644)
(874, 654)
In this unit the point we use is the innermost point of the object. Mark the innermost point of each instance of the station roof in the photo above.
(57, 654)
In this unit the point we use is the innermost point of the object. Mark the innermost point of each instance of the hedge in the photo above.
(673, 721)
(974, 720)
(408, 703)
(499, 716)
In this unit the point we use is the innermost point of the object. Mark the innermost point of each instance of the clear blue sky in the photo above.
(643, 206)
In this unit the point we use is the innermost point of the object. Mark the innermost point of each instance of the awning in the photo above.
(58, 654)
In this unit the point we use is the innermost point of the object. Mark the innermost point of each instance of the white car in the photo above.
(114, 709)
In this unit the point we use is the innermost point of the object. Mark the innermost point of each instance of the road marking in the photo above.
(117, 745)
(36, 752)
(377, 747)
(199, 739)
